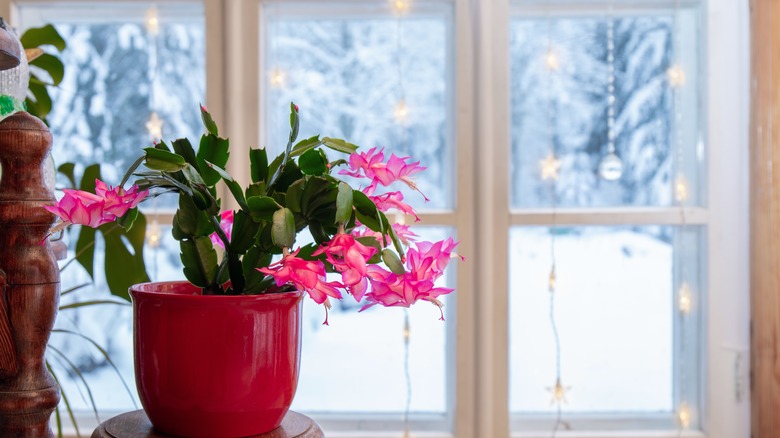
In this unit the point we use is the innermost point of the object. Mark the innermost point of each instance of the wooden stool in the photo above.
(136, 425)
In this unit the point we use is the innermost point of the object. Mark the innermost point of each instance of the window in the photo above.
(481, 111)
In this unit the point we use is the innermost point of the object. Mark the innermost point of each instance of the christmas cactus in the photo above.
(253, 250)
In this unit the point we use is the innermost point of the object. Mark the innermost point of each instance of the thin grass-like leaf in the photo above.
(74, 289)
(56, 409)
(93, 303)
(81, 377)
(105, 355)
(67, 402)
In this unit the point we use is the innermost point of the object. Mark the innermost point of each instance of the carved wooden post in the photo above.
(765, 219)
(29, 280)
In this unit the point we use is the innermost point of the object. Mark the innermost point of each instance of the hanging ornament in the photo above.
(611, 166)
(277, 78)
(152, 21)
(401, 7)
(153, 234)
(551, 60)
(155, 126)
(681, 188)
(684, 298)
(558, 393)
(401, 112)
(684, 415)
(552, 279)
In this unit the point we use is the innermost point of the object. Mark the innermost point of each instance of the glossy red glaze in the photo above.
(215, 366)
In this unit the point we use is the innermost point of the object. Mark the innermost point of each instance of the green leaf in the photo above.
(200, 261)
(253, 259)
(283, 228)
(42, 100)
(305, 145)
(340, 145)
(313, 163)
(208, 121)
(295, 123)
(157, 159)
(393, 262)
(363, 204)
(85, 250)
(125, 256)
(255, 189)
(235, 188)
(318, 232)
(42, 36)
(258, 159)
(244, 230)
(67, 169)
(289, 175)
(190, 220)
(213, 150)
(262, 208)
(52, 66)
(344, 203)
(294, 194)
(128, 219)
(184, 148)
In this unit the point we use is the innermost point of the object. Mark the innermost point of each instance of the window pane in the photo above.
(567, 108)
(356, 364)
(616, 315)
(343, 73)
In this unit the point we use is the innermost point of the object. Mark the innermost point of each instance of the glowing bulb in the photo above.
(155, 126)
(401, 112)
(152, 21)
(551, 284)
(399, 218)
(550, 167)
(401, 7)
(277, 77)
(551, 60)
(684, 415)
(676, 76)
(681, 188)
(684, 299)
(558, 392)
(611, 167)
(153, 234)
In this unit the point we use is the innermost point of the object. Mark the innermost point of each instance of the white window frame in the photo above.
(478, 349)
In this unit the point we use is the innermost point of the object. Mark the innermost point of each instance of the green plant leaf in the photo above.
(339, 145)
(67, 169)
(283, 228)
(213, 150)
(52, 66)
(85, 250)
(184, 148)
(313, 163)
(235, 188)
(258, 159)
(41, 100)
(244, 231)
(262, 208)
(200, 261)
(124, 256)
(253, 259)
(128, 219)
(190, 220)
(157, 159)
(393, 262)
(344, 203)
(305, 145)
(295, 123)
(42, 36)
(208, 121)
(294, 194)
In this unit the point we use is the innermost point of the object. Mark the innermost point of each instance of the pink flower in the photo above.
(84, 208)
(306, 276)
(349, 257)
(370, 165)
(393, 200)
(81, 208)
(226, 223)
(393, 290)
(428, 260)
(118, 200)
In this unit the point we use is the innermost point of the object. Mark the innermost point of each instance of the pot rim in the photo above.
(144, 289)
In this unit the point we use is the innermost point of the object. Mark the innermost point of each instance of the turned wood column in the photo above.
(29, 280)
(765, 219)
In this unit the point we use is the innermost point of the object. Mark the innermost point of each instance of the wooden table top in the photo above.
(136, 425)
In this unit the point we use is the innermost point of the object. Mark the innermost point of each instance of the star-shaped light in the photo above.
(684, 298)
(401, 7)
(152, 21)
(676, 76)
(155, 126)
(681, 188)
(551, 284)
(550, 167)
(551, 60)
(558, 392)
(684, 415)
(153, 234)
(401, 112)
(277, 77)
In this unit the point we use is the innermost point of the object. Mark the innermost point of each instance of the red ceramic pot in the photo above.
(215, 366)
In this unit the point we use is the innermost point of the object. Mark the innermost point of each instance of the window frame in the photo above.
(482, 217)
